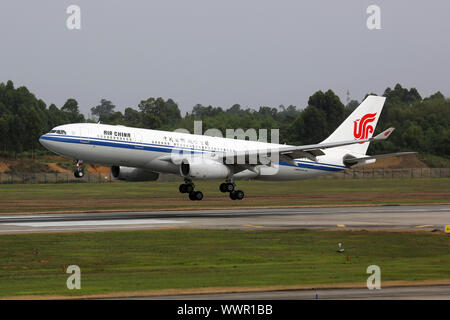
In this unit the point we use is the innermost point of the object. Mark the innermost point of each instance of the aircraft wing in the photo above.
(290, 153)
(242, 160)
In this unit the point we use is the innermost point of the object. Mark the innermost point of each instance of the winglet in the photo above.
(385, 134)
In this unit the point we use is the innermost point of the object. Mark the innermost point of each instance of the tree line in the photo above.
(423, 124)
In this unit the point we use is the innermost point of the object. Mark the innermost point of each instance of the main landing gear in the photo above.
(229, 186)
(188, 187)
(79, 173)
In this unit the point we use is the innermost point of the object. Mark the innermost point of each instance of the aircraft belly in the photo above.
(288, 172)
(163, 166)
(285, 173)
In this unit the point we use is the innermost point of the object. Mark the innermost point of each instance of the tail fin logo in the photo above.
(362, 127)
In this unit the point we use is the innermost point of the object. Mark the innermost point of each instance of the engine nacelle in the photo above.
(200, 168)
(133, 174)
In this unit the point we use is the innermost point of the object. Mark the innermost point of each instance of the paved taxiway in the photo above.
(391, 293)
(426, 217)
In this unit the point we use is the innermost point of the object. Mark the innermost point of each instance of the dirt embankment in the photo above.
(45, 164)
(56, 168)
(4, 167)
(404, 162)
(98, 169)
(23, 165)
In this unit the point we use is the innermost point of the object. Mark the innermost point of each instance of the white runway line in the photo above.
(92, 223)
(25, 216)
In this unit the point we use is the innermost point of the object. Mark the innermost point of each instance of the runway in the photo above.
(426, 217)
(391, 293)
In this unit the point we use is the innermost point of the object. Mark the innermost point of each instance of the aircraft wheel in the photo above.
(186, 188)
(78, 174)
(239, 194)
(230, 187)
(189, 187)
(198, 195)
(223, 187)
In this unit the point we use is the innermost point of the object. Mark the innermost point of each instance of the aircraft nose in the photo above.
(42, 140)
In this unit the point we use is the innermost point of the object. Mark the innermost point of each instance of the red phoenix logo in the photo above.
(362, 128)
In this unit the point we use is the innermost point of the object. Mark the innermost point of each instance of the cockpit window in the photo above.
(58, 131)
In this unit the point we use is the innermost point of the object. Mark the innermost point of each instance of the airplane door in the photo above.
(84, 135)
(138, 140)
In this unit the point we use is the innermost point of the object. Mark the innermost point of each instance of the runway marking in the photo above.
(253, 226)
(424, 226)
(25, 216)
(87, 228)
(92, 223)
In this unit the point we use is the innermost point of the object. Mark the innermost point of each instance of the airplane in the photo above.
(136, 154)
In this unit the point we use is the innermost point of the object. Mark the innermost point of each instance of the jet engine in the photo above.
(200, 168)
(133, 174)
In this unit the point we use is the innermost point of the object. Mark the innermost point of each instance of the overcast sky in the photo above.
(251, 52)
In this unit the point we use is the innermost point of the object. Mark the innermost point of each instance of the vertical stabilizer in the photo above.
(359, 125)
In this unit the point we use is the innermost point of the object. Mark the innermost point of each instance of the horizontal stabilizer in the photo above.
(385, 134)
(351, 161)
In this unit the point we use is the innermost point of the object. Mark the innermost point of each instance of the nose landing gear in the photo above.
(79, 172)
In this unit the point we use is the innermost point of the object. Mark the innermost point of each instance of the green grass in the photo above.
(161, 195)
(257, 188)
(162, 259)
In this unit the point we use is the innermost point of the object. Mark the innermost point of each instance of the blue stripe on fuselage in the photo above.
(317, 166)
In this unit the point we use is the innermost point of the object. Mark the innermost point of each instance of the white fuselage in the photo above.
(148, 149)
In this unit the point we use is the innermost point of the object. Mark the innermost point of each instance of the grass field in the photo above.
(186, 258)
(160, 195)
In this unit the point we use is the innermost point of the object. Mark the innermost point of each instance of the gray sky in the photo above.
(252, 52)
